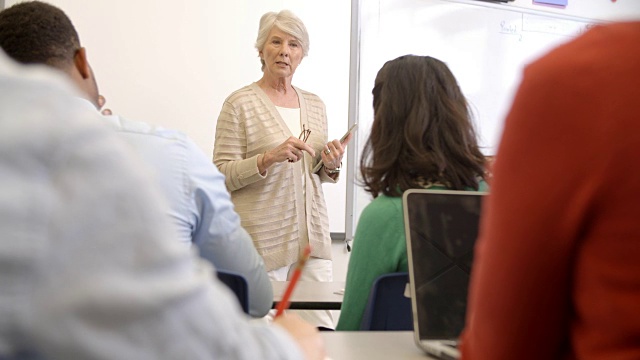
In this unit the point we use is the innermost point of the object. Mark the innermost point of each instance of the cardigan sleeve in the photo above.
(230, 149)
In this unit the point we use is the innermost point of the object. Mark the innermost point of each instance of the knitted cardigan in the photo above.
(275, 209)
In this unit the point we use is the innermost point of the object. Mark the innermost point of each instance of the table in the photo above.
(310, 295)
(372, 345)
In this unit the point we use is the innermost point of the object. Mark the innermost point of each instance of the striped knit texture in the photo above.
(272, 208)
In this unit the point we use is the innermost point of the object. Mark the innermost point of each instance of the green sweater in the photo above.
(379, 247)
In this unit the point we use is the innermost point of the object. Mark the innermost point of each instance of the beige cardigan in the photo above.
(271, 207)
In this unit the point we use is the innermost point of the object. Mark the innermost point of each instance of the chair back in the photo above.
(389, 304)
(238, 284)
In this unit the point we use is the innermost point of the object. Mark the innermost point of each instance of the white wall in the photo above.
(173, 63)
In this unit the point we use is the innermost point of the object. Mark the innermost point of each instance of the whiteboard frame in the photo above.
(354, 107)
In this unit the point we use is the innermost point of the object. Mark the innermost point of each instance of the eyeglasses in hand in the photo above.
(304, 135)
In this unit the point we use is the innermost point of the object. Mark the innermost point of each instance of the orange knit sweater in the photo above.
(557, 271)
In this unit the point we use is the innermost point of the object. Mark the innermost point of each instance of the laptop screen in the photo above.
(441, 230)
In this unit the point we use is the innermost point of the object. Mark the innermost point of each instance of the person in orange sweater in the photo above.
(557, 269)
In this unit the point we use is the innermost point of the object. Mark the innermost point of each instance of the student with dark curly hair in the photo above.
(422, 137)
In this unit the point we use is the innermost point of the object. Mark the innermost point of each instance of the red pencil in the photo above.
(284, 303)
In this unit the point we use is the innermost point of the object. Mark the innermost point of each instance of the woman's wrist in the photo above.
(332, 171)
(262, 164)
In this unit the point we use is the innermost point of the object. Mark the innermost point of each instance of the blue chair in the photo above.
(238, 284)
(388, 309)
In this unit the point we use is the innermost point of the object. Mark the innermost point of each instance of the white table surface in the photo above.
(371, 345)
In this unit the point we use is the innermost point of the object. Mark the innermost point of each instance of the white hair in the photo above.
(286, 21)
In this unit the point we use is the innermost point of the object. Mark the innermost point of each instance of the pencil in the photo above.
(284, 303)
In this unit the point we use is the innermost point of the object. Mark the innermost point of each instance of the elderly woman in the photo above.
(268, 165)
(425, 140)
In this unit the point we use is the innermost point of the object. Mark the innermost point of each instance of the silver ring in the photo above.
(328, 151)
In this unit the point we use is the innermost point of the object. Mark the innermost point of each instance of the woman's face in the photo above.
(282, 53)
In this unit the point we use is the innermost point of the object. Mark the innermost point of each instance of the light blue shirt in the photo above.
(199, 204)
(89, 265)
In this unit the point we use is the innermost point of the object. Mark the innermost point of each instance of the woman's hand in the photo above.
(333, 152)
(292, 150)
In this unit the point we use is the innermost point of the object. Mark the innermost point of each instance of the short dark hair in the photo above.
(422, 130)
(38, 33)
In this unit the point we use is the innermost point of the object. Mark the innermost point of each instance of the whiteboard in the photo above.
(486, 48)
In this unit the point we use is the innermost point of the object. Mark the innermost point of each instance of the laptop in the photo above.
(441, 230)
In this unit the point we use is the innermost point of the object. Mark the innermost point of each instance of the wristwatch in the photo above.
(333, 171)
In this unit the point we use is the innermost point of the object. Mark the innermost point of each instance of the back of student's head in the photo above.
(38, 33)
(422, 131)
